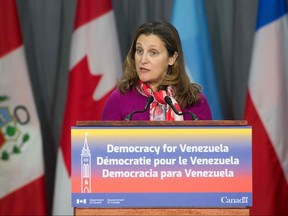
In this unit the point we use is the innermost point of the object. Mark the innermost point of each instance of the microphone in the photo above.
(149, 101)
(170, 103)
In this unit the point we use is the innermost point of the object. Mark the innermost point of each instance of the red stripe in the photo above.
(89, 10)
(270, 189)
(10, 34)
(28, 200)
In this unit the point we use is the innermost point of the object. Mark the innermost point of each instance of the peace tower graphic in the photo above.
(85, 167)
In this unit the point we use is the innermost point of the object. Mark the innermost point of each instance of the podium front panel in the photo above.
(163, 166)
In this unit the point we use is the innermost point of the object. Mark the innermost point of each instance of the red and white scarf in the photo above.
(159, 109)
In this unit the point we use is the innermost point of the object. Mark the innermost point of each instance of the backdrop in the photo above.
(47, 29)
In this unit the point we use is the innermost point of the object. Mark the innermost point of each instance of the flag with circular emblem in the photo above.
(22, 187)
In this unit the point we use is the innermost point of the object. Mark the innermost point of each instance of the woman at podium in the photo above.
(155, 85)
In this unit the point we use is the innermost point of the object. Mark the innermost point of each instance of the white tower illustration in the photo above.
(85, 168)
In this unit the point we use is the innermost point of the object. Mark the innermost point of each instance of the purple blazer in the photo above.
(119, 105)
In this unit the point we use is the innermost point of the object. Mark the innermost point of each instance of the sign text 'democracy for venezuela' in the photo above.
(162, 166)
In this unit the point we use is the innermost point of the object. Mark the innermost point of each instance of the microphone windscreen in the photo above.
(167, 99)
(150, 99)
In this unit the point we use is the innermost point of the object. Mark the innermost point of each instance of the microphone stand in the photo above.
(149, 101)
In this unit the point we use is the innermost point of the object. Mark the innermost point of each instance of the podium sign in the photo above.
(148, 166)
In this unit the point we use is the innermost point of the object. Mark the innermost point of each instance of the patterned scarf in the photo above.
(159, 109)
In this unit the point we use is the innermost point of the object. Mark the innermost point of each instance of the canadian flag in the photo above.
(95, 65)
(22, 186)
(267, 107)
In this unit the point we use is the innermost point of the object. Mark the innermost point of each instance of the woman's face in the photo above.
(152, 60)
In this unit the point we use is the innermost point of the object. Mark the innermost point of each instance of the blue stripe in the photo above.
(269, 11)
(189, 17)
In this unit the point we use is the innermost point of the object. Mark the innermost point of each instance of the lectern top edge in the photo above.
(164, 123)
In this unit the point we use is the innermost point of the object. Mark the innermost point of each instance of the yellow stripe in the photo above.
(168, 132)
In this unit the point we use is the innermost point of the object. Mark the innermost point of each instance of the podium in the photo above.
(179, 211)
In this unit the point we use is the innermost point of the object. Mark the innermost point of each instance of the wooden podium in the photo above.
(162, 211)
